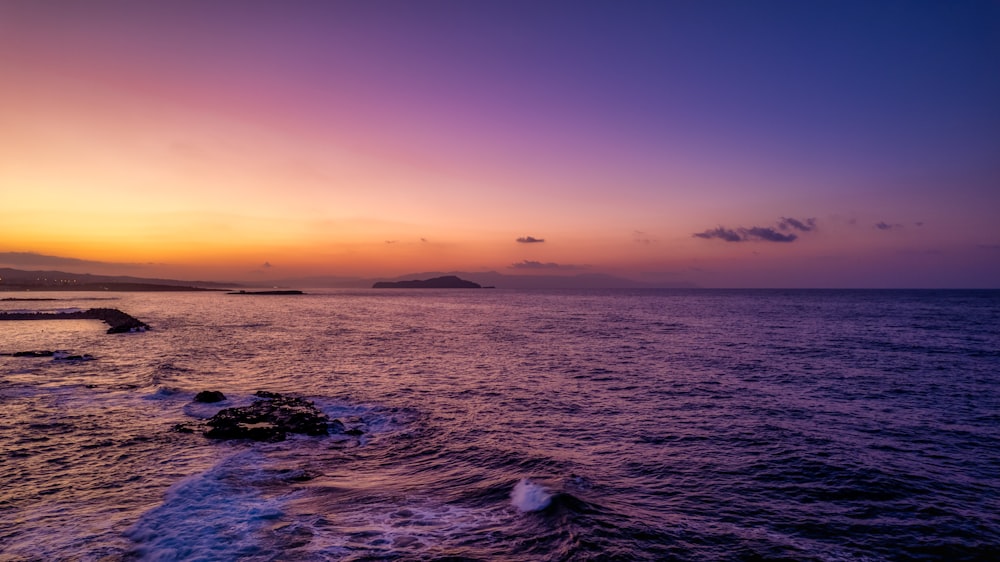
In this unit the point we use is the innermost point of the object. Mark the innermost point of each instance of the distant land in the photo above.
(272, 292)
(445, 282)
(21, 280)
(486, 279)
(26, 280)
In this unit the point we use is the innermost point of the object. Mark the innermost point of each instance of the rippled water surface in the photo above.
(507, 425)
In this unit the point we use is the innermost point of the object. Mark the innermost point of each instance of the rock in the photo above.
(277, 292)
(269, 419)
(56, 355)
(209, 396)
(34, 353)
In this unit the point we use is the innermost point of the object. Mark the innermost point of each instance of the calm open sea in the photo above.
(512, 425)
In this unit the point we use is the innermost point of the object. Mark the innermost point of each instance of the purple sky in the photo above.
(663, 141)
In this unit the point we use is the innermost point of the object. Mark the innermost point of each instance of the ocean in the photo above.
(510, 425)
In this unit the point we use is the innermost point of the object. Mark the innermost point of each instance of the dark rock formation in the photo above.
(209, 396)
(33, 353)
(118, 320)
(276, 292)
(446, 282)
(271, 418)
(57, 355)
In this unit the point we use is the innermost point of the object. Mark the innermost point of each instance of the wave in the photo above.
(528, 496)
(163, 393)
(212, 515)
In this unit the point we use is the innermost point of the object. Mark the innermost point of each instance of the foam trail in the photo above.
(528, 496)
(216, 515)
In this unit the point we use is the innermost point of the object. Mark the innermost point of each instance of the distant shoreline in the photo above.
(102, 287)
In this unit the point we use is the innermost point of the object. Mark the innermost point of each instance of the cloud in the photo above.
(391, 241)
(760, 233)
(721, 233)
(267, 265)
(881, 225)
(807, 225)
(423, 240)
(530, 240)
(767, 234)
(527, 264)
(42, 260)
(639, 237)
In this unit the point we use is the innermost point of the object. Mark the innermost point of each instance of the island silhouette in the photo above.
(445, 282)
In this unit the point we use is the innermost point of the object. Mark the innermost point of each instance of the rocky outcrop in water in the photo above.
(56, 355)
(209, 396)
(118, 320)
(275, 292)
(271, 418)
(40, 353)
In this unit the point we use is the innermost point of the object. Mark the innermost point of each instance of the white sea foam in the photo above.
(214, 515)
(415, 526)
(528, 496)
(163, 393)
(203, 411)
(371, 420)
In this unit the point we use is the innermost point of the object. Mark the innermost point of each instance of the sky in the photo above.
(721, 143)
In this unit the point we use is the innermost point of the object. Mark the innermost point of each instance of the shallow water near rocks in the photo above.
(511, 425)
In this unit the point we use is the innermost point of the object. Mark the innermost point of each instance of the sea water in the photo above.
(511, 425)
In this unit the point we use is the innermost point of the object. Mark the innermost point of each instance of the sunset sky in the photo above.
(728, 144)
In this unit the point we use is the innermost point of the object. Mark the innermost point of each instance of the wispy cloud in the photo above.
(788, 223)
(528, 264)
(640, 237)
(767, 234)
(267, 265)
(882, 225)
(721, 233)
(33, 259)
(761, 233)
(530, 240)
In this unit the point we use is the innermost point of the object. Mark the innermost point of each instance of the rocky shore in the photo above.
(118, 320)
(271, 418)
